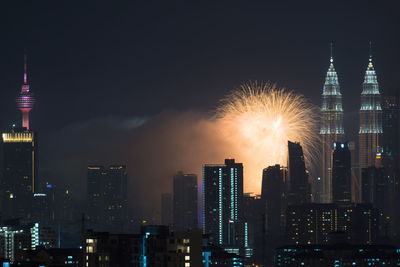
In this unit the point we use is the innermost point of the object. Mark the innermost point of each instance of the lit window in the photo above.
(187, 258)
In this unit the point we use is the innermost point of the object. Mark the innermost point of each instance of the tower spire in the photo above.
(370, 51)
(25, 71)
(331, 52)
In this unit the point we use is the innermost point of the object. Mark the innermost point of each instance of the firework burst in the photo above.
(258, 120)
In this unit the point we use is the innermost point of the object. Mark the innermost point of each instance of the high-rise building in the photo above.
(341, 173)
(370, 134)
(299, 187)
(95, 195)
(313, 223)
(166, 209)
(391, 153)
(331, 129)
(20, 159)
(116, 197)
(375, 185)
(391, 135)
(222, 204)
(185, 202)
(377, 188)
(273, 193)
(253, 217)
(107, 197)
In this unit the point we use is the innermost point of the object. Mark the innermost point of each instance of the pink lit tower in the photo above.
(25, 99)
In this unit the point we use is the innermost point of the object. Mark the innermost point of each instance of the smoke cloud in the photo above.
(153, 149)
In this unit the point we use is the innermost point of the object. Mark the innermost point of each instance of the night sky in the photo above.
(128, 62)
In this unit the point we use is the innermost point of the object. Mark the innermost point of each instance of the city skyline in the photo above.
(60, 82)
(188, 134)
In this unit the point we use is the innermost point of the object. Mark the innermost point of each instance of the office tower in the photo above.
(370, 134)
(299, 187)
(391, 134)
(375, 186)
(41, 209)
(273, 192)
(107, 197)
(166, 209)
(95, 195)
(115, 197)
(341, 173)
(20, 164)
(273, 195)
(222, 204)
(331, 129)
(391, 152)
(185, 201)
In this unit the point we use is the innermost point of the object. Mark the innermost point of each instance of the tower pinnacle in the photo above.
(25, 73)
(25, 99)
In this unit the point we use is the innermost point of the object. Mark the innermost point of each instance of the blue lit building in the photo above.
(337, 255)
(222, 205)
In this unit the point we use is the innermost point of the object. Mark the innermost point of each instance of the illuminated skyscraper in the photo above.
(370, 134)
(222, 204)
(185, 202)
(331, 129)
(20, 160)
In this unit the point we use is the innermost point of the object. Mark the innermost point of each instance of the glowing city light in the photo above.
(259, 119)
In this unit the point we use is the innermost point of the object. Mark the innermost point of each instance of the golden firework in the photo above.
(258, 120)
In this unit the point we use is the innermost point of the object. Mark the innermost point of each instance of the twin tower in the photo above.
(332, 130)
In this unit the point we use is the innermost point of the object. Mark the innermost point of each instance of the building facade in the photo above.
(313, 223)
(299, 188)
(107, 197)
(222, 205)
